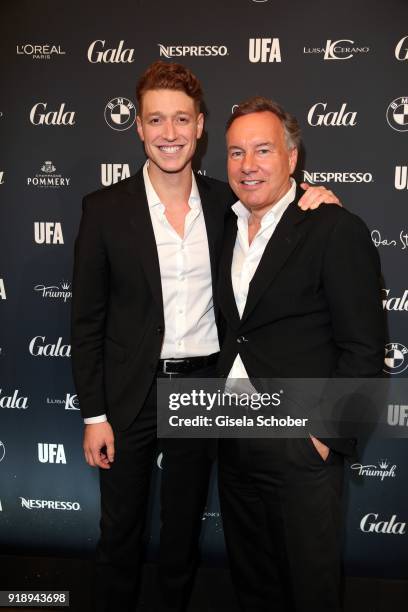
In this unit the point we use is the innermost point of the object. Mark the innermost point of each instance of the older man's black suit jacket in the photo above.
(117, 310)
(313, 309)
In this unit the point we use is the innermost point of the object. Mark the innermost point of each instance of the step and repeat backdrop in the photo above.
(67, 127)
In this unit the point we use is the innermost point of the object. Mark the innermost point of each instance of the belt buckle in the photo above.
(165, 370)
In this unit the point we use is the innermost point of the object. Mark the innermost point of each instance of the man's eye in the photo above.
(183, 119)
(154, 120)
(236, 154)
(263, 151)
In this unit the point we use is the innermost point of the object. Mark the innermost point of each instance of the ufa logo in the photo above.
(2, 290)
(396, 358)
(51, 453)
(401, 50)
(264, 50)
(39, 116)
(401, 177)
(397, 114)
(120, 114)
(97, 53)
(47, 232)
(113, 173)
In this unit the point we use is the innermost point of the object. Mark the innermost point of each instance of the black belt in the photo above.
(185, 365)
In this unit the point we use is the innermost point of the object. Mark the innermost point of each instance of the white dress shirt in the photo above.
(245, 261)
(185, 271)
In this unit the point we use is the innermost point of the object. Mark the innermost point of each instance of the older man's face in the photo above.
(259, 162)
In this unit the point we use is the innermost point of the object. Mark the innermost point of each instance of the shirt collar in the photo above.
(275, 213)
(153, 199)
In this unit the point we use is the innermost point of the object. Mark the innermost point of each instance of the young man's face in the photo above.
(259, 162)
(169, 126)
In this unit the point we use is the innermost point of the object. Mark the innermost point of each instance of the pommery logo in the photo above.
(48, 177)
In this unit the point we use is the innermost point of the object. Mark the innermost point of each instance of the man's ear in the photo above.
(200, 125)
(293, 157)
(139, 128)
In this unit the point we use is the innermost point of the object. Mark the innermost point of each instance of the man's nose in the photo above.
(248, 162)
(169, 132)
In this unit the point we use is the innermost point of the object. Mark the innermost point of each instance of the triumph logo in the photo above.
(316, 117)
(396, 358)
(369, 524)
(3, 295)
(46, 504)
(49, 178)
(120, 114)
(397, 415)
(264, 50)
(40, 52)
(401, 177)
(39, 116)
(192, 51)
(337, 49)
(54, 292)
(51, 453)
(337, 177)
(397, 114)
(13, 401)
(113, 173)
(48, 232)
(97, 53)
(38, 348)
(383, 470)
(401, 50)
(395, 303)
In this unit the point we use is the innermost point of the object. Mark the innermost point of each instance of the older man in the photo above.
(300, 292)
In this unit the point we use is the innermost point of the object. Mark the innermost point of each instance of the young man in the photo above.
(300, 293)
(145, 270)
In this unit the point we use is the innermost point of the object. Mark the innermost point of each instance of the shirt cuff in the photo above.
(97, 419)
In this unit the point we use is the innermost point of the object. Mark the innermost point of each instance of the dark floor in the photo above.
(212, 593)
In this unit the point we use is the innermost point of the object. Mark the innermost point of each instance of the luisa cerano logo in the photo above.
(48, 177)
(264, 50)
(100, 52)
(55, 292)
(317, 116)
(342, 49)
(39, 347)
(70, 401)
(39, 52)
(113, 173)
(41, 115)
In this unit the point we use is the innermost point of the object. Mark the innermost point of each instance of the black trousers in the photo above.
(124, 496)
(281, 509)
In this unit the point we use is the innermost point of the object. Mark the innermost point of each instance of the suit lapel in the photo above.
(145, 241)
(281, 244)
(225, 290)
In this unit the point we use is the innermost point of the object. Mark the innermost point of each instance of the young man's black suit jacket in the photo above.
(117, 310)
(313, 309)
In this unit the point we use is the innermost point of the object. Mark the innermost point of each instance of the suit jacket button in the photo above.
(160, 330)
(241, 339)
